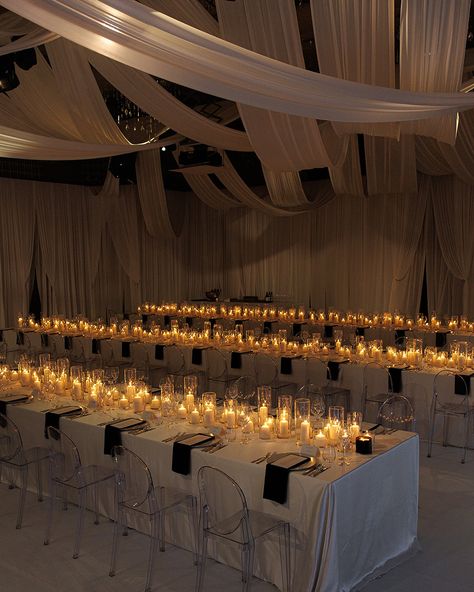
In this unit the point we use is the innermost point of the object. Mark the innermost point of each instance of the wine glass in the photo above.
(318, 407)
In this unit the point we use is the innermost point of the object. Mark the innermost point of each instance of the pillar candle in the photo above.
(305, 432)
(195, 416)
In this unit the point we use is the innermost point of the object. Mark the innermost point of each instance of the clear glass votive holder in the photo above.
(303, 420)
(208, 408)
(336, 414)
(284, 416)
(354, 424)
(129, 375)
(264, 396)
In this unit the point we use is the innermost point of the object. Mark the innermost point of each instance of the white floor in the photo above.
(446, 534)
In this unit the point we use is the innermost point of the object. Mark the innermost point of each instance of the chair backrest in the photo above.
(246, 388)
(216, 364)
(11, 445)
(265, 369)
(453, 388)
(223, 505)
(397, 412)
(317, 372)
(65, 460)
(134, 480)
(376, 380)
(174, 359)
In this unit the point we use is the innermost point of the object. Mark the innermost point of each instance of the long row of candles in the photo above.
(301, 314)
(95, 390)
(460, 356)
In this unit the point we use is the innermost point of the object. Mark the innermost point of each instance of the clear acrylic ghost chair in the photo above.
(138, 496)
(447, 403)
(377, 387)
(266, 372)
(397, 413)
(17, 460)
(217, 370)
(67, 473)
(225, 517)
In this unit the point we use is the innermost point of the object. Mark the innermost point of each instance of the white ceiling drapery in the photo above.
(152, 42)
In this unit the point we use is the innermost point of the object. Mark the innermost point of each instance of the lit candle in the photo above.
(182, 411)
(208, 418)
(93, 401)
(263, 414)
(265, 431)
(76, 389)
(155, 403)
(247, 428)
(190, 402)
(354, 431)
(138, 403)
(131, 390)
(230, 418)
(123, 402)
(320, 440)
(305, 432)
(195, 416)
(284, 428)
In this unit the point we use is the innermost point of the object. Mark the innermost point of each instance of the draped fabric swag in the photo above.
(94, 254)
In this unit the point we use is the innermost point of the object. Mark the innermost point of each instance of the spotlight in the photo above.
(26, 58)
(163, 148)
(8, 77)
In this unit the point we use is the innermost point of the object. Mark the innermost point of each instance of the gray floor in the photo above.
(446, 534)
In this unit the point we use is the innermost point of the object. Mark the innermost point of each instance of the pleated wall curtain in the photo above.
(94, 254)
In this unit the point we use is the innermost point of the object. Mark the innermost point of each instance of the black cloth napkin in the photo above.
(167, 321)
(396, 380)
(297, 328)
(333, 370)
(189, 321)
(113, 435)
(51, 418)
(16, 399)
(236, 360)
(196, 357)
(125, 349)
(1, 334)
(44, 340)
(144, 319)
(440, 338)
(96, 346)
(20, 338)
(276, 483)
(328, 331)
(360, 331)
(286, 365)
(67, 342)
(182, 455)
(159, 352)
(460, 384)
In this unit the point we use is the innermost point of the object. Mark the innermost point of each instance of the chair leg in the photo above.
(466, 436)
(161, 533)
(201, 561)
(248, 552)
(80, 523)
(445, 430)
(95, 502)
(154, 542)
(193, 527)
(52, 492)
(23, 488)
(39, 479)
(118, 526)
(432, 427)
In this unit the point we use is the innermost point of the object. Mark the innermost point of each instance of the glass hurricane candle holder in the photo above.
(167, 399)
(208, 406)
(284, 416)
(129, 375)
(264, 395)
(303, 420)
(336, 414)
(354, 424)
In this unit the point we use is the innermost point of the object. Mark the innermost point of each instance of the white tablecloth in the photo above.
(350, 524)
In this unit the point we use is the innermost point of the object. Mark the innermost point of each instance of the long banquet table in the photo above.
(350, 523)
